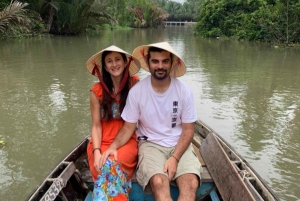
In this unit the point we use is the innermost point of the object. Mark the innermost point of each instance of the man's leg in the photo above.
(188, 185)
(160, 186)
(150, 167)
(187, 176)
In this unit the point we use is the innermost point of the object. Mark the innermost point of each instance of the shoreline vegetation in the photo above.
(272, 21)
(20, 18)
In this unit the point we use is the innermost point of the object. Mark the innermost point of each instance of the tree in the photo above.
(14, 16)
(4, 3)
(174, 9)
(147, 14)
(290, 18)
(251, 20)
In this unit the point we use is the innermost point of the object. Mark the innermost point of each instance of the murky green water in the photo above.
(247, 92)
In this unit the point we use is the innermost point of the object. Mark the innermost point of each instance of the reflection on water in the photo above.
(252, 91)
(247, 92)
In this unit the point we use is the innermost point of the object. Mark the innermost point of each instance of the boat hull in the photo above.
(71, 179)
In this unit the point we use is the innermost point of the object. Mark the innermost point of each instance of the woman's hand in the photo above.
(97, 157)
(109, 152)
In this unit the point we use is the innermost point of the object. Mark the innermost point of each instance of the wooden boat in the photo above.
(226, 175)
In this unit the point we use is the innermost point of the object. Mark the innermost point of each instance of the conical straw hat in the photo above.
(96, 59)
(141, 52)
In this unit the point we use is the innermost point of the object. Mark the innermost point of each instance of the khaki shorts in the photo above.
(152, 158)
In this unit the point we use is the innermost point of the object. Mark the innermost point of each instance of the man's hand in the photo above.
(122, 138)
(171, 167)
(109, 152)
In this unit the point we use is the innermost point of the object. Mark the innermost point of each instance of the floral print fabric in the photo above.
(112, 183)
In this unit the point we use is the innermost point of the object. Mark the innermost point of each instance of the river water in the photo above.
(247, 92)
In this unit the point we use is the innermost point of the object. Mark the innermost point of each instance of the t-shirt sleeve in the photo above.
(189, 112)
(131, 110)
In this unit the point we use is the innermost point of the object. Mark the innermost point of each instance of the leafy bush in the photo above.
(272, 20)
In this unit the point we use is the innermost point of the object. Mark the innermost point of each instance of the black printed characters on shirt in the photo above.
(175, 113)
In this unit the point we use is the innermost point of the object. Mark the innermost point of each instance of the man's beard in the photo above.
(158, 76)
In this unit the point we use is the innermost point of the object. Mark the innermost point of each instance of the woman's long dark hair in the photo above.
(107, 100)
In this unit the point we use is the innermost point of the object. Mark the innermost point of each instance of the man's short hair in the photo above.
(157, 49)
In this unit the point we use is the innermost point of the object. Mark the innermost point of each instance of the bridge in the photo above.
(171, 23)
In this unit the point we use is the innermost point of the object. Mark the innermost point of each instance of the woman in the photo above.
(115, 69)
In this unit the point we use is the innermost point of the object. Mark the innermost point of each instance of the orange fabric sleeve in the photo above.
(134, 79)
(97, 90)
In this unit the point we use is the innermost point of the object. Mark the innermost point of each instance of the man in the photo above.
(164, 109)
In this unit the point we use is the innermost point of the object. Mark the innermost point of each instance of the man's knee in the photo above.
(190, 181)
(158, 181)
(194, 183)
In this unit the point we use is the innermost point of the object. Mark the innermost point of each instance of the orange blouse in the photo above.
(127, 154)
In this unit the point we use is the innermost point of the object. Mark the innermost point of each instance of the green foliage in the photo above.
(287, 21)
(147, 14)
(271, 20)
(157, 16)
(214, 32)
(4, 3)
(69, 19)
(188, 11)
(2, 143)
(13, 18)
(122, 16)
(174, 9)
(75, 16)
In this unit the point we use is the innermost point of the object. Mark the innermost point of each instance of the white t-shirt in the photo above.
(160, 114)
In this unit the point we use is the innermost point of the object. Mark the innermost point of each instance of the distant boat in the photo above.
(226, 176)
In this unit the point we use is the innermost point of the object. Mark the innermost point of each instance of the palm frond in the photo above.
(98, 8)
(12, 15)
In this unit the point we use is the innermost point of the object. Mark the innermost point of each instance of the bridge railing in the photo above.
(172, 23)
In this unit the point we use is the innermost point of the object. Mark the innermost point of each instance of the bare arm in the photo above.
(185, 140)
(96, 132)
(122, 137)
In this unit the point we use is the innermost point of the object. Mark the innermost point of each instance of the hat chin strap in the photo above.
(176, 66)
(102, 83)
(142, 52)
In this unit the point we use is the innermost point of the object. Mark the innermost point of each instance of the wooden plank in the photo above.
(59, 183)
(224, 174)
(253, 191)
(205, 175)
(197, 151)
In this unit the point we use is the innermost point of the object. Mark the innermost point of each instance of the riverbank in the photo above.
(95, 31)
(272, 44)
